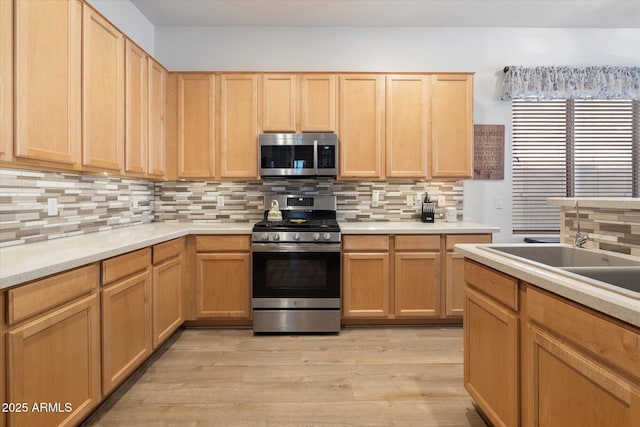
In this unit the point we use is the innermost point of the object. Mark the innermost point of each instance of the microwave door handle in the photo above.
(315, 157)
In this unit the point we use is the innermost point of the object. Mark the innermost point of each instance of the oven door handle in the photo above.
(295, 247)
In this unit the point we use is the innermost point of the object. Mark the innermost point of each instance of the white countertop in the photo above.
(23, 263)
(597, 202)
(607, 299)
(415, 227)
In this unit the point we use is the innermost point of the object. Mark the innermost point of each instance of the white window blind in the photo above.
(571, 148)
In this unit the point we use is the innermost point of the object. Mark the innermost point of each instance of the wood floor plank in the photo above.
(397, 376)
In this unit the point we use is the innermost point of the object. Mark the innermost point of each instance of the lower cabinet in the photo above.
(167, 289)
(126, 316)
(54, 366)
(223, 277)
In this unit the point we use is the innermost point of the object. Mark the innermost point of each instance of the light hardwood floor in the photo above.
(404, 376)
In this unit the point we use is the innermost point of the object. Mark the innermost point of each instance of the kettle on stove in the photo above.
(274, 213)
(428, 209)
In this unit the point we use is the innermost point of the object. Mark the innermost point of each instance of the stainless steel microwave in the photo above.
(298, 154)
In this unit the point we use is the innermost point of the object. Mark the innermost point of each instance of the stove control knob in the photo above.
(316, 236)
(326, 236)
(276, 236)
(264, 236)
(296, 236)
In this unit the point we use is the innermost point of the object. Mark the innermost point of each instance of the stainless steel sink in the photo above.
(624, 277)
(610, 270)
(565, 256)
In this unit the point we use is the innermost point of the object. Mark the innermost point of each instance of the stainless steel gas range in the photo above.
(296, 266)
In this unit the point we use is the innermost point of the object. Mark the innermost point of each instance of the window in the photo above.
(567, 148)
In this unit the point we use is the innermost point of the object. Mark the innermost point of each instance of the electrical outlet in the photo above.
(497, 202)
(52, 207)
(409, 200)
(375, 198)
(441, 201)
(220, 200)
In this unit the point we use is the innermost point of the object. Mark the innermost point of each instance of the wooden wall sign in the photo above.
(488, 152)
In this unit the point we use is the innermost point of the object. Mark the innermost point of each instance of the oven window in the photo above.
(296, 275)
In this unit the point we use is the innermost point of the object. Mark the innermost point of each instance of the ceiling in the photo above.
(394, 13)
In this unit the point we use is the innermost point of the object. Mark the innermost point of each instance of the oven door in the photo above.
(295, 271)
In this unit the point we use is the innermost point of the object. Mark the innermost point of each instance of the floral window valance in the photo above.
(571, 83)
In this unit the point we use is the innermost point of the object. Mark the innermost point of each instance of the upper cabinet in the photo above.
(407, 126)
(278, 102)
(452, 125)
(47, 80)
(196, 121)
(136, 83)
(6, 81)
(361, 126)
(102, 93)
(157, 119)
(238, 126)
(298, 102)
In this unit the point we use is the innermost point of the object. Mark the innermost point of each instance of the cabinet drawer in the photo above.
(41, 295)
(615, 342)
(453, 239)
(125, 265)
(166, 250)
(499, 286)
(378, 242)
(231, 243)
(418, 243)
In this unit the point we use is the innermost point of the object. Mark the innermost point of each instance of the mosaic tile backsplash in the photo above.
(85, 204)
(89, 203)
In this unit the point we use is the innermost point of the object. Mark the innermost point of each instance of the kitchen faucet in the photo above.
(580, 239)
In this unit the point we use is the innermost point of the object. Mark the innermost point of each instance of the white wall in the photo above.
(128, 18)
(484, 51)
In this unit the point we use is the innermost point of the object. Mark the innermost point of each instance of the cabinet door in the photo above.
(317, 103)
(365, 285)
(239, 126)
(157, 112)
(407, 126)
(417, 284)
(196, 125)
(56, 359)
(491, 374)
(102, 93)
(454, 285)
(126, 328)
(279, 101)
(167, 299)
(136, 110)
(361, 126)
(6, 86)
(570, 388)
(452, 126)
(223, 282)
(47, 80)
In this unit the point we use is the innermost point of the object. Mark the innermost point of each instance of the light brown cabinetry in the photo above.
(126, 316)
(157, 112)
(454, 272)
(103, 77)
(452, 126)
(491, 343)
(239, 126)
(53, 356)
(6, 85)
(584, 368)
(407, 126)
(361, 125)
(317, 106)
(168, 274)
(47, 79)
(196, 125)
(365, 277)
(136, 110)
(278, 102)
(223, 277)
(417, 276)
